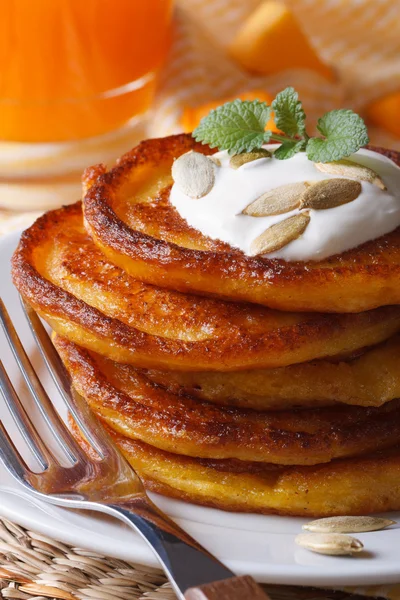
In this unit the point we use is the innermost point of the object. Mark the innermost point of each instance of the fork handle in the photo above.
(193, 572)
(235, 588)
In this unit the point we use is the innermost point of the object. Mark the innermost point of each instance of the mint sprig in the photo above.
(289, 114)
(291, 119)
(344, 133)
(289, 149)
(239, 126)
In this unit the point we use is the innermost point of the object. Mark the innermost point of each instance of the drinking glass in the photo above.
(72, 69)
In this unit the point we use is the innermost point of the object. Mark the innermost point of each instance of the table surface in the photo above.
(36, 561)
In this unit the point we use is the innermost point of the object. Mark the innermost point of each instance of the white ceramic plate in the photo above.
(258, 545)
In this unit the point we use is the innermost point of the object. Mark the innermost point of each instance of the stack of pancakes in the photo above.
(243, 383)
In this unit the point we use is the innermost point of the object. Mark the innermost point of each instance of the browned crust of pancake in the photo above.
(369, 379)
(359, 279)
(313, 336)
(130, 404)
(351, 486)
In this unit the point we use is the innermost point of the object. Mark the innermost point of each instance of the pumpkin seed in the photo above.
(348, 168)
(279, 235)
(193, 173)
(335, 544)
(348, 524)
(330, 193)
(241, 159)
(277, 201)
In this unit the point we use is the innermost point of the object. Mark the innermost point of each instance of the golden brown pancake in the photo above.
(350, 486)
(134, 407)
(370, 379)
(129, 216)
(83, 296)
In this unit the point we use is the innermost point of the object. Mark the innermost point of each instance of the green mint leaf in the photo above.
(289, 149)
(289, 114)
(236, 126)
(267, 136)
(345, 132)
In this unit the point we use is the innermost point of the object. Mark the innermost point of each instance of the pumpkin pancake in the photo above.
(129, 216)
(83, 296)
(133, 406)
(341, 487)
(370, 379)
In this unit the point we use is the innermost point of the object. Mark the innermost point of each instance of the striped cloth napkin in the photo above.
(360, 39)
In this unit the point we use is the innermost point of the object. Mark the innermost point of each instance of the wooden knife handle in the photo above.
(235, 588)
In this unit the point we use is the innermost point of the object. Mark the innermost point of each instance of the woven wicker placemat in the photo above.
(34, 567)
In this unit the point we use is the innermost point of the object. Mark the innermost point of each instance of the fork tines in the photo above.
(87, 423)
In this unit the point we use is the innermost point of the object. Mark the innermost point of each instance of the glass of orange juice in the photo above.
(72, 69)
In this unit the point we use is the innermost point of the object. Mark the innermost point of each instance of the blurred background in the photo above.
(83, 82)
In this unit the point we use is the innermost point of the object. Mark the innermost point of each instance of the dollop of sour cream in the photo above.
(218, 215)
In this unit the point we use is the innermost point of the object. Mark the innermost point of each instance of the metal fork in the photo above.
(106, 483)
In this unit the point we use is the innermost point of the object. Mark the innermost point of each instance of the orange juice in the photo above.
(71, 69)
